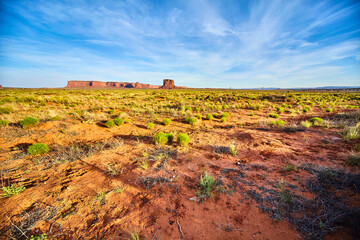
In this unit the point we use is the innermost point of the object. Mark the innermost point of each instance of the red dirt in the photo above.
(71, 188)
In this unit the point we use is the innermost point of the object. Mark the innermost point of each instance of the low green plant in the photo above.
(233, 149)
(306, 124)
(162, 138)
(183, 139)
(120, 188)
(118, 121)
(207, 184)
(167, 121)
(38, 148)
(223, 119)
(6, 110)
(110, 124)
(143, 163)
(350, 133)
(329, 110)
(128, 120)
(101, 197)
(4, 123)
(198, 116)
(39, 237)
(190, 120)
(209, 116)
(279, 123)
(150, 125)
(225, 114)
(316, 121)
(134, 236)
(29, 122)
(12, 190)
(288, 167)
(273, 115)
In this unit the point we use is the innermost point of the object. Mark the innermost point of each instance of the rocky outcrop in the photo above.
(167, 84)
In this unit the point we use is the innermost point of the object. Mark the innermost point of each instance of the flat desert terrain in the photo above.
(179, 164)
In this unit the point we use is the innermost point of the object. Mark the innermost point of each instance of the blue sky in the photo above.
(198, 43)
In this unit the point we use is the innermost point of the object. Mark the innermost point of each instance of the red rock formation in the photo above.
(167, 84)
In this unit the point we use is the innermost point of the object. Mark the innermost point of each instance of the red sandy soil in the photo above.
(60, 199)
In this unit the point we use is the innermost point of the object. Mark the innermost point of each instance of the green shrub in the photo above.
(225, 114)
(183, 139)
(316, 121)
(111, 112)
(188, 109)
(110, 124)
(273, 115)
(216, 115)
(280, 109)
(29, 122)
(6, 110)
(190, 120)
(162, 138)
(38, 148)
(223, 119)
(12, 190)
(128, 120)
(329, 110)
(3, 123)
(198, 116)
(207, 184)
(350, 133)
(288, 167)
(209, 116)
(306, 124)
(167, 121)
(39, 237)
(118, 121)
(150, 125)
(197, 109)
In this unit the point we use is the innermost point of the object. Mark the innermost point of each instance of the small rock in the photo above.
(195, 199)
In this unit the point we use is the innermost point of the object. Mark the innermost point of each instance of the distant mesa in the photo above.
(167, 84)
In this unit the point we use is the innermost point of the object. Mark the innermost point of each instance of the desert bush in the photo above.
(198, 116)
(207, 184)
(29, 122)
(209, 116)
(223, 119)
(12, 190)
(279, 123)
(39, 237)
(150, 125)
(350, 133)
(316, 121)
(167, 121)
(329, 110)
(6, 110)
(306, 124)
(162, 138)
(128, 120)
(38, 148)
(110, 124)
(233, 149)
(273, 115)
(4, 123)
(190, 120)
(183, 139)
(118, 121)
(225, 114)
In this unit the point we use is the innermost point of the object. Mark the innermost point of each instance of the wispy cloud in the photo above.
(198, 43)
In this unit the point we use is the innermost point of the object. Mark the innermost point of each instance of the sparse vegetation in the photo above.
(118, 121)
(183, 139)
(110, 124)
(12, 190)
(207, 185)
(162, 138)
(38, 148)
(29, 122)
